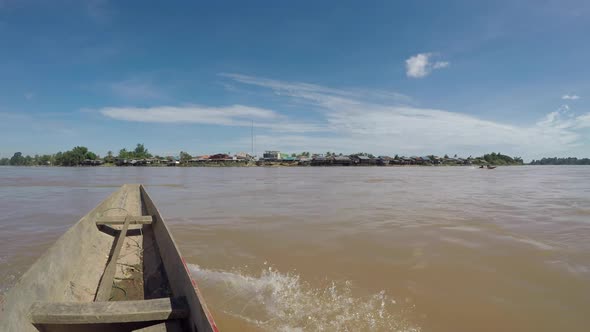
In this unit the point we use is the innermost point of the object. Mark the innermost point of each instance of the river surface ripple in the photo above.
(345, 249)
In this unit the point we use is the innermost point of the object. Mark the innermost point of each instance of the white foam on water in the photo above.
(276, 301)
(537, 244)
(574, 269)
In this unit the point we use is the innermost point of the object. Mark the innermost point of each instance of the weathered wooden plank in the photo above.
(120, 220)
(178, 275)
(106, 282)
(167, 326)
(69, 270)
(108, 312)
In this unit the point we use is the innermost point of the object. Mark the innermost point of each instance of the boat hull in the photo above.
(146, 266)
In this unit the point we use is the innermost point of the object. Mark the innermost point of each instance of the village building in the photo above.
(408, 160)
(271, 155)
(221, 157)
(320, 160)
(341, 161)
(363, 160)
(424, 160)
(304, 161)
(92, 162)
(243, 156)
(384, 160)
(173, 163)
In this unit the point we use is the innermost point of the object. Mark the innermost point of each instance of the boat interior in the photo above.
(117, 269)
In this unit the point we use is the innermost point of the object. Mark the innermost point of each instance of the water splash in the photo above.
(277, 301)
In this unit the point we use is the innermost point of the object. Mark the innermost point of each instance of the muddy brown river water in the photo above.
(345, 249)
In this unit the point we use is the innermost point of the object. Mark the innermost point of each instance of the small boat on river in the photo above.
(117, 269)
(491, 167)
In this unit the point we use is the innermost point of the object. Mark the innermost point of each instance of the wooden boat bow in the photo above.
(117, 269)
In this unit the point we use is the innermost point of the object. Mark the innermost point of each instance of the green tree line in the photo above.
(140, 152)
(79, 154)
(561, 161)
(500, 159)
(73, 157)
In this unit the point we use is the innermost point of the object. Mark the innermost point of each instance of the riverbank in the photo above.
(81, 156)
(252, 165)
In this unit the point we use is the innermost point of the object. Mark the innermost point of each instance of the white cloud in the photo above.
(419, 65)
(287, 88)
(583, 121)
(348, 121)
(416, 66)
(231, 115)
(352, 124)
(234, 115)
(570, 97)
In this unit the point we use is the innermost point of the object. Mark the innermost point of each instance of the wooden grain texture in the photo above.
(108, 312)
(120, 220)
(75, 263)
(180, 280)
(106, 282)
(69, 270)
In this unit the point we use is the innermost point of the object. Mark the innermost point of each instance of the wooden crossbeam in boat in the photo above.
(108, 312)
(106, 282)
(120, 220)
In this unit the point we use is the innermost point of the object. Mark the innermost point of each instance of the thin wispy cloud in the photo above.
(421, 65)
(354, 125)
(234, 115)
(288, 88)
(348, 122)
(583, 121)
(29, 95)
(570, 97)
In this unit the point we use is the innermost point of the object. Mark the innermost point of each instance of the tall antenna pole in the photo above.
(252, 138)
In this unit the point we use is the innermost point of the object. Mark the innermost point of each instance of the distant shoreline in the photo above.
(140, 157)
(274, 165)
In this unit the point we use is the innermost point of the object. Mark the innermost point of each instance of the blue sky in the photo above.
(388, 77)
